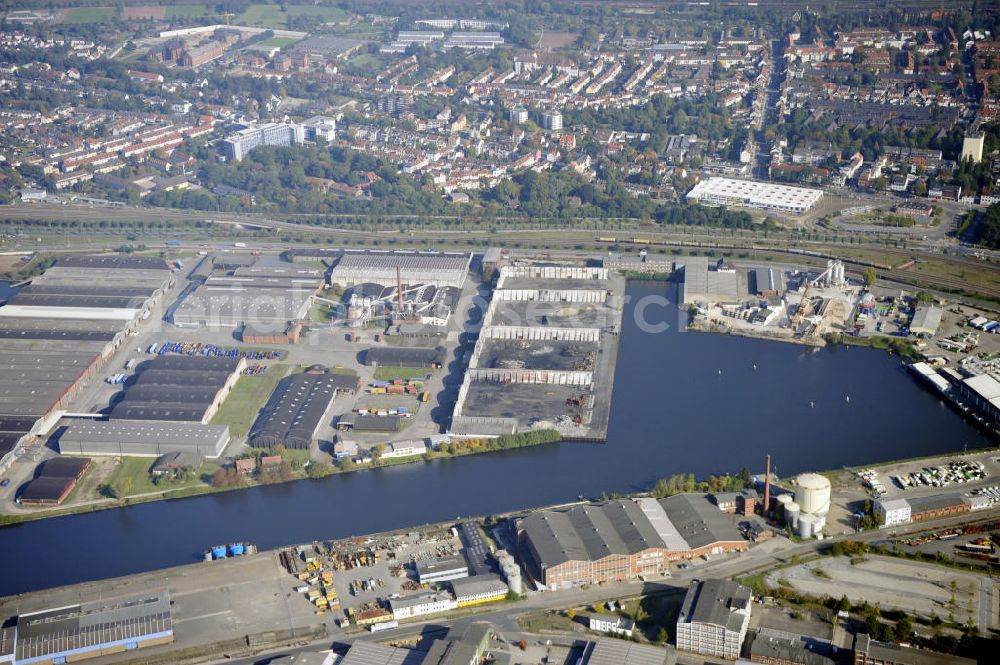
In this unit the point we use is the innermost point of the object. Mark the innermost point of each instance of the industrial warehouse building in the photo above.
(266, 299)
(479, 589)
(982, 392)
(753, 194)
(871, 652)
(926, 320)
(143, 438)
(93, 629)
(178, 388)
(298, 408)
(401, 356)
(607, 651)
(443, 569)
(714, 618)
(55, 480)
(623, 539)
(380, 267)
(706, 281)
(61, 330)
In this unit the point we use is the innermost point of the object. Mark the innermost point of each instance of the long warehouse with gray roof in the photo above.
(142, 438)
(90, 630)
(178, 388)
(58, 332)
(414, 267)
(623, 539)
(266, 298)
(298, 408)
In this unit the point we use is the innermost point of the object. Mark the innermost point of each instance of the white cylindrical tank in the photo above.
(792, 512)
(812, 493)
(807, 525)
(781, 503)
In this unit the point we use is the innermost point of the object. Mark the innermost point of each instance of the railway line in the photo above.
(896, 265)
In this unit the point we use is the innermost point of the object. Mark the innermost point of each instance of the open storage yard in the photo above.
(924, 588)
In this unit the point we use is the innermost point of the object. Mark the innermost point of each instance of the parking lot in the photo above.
(962, 474)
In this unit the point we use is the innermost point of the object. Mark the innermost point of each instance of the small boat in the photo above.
(847, 398)
(812, 405)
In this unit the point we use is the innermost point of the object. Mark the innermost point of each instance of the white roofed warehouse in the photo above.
(752, 194)
(143, 438)
(380, 267)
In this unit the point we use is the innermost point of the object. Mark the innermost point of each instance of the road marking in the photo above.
(203, 616)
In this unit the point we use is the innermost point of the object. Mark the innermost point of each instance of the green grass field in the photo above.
(79, 15)
(272, 16)
(326, 14)
(186, 11)
(132, 477)
(390, 373)
(248, 396)
(278, 42)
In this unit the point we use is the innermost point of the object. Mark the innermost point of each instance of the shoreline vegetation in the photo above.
(294, 467)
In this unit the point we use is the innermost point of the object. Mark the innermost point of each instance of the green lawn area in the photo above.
(248, 396)
(89, 14)
(271, 15)
(343, 371)
(367, 59)
(325, 13)
(186, 11)
(279, 42)
(389, 373)
(322, 312)
(132, 477)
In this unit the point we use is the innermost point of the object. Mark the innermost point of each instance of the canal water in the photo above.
(683, 402)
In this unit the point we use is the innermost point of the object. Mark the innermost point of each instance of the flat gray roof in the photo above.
(90, 625)
(144, 432)
(606, 651)
(368, 653)
(590, 532)
(714, 602)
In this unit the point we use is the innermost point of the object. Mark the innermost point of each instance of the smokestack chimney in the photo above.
(399, 288)
(767, 487)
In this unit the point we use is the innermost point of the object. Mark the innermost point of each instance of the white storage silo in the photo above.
(792, 512)
(812, 493)
(807, 525)
(780, 503)
(820, 525)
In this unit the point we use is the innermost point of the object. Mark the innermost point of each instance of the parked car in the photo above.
(5, 482)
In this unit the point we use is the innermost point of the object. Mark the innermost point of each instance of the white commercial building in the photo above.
(239, 144)
(442, 570)
(891, 512)
(552, 120)
(753, 194)
(714, 618)
(404, 449)
(319, 126)
(479, 589)
(428, 603)
(612, 624)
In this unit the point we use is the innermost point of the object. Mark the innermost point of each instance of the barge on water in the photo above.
(226, 551)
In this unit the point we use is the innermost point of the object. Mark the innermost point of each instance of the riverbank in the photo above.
(706, 327)
(311, 471)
